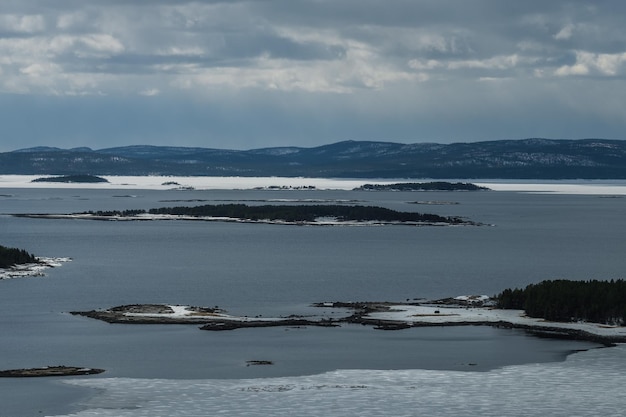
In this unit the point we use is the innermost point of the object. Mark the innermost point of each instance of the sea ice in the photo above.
(607, 187)
(586, 384)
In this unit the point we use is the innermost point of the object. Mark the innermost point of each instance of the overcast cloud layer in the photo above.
(248, 74)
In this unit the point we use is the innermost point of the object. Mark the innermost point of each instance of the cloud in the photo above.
(310, 46)
(565, 33)
(608, 65)
(150, 92)
(21, 24)
(393, 62)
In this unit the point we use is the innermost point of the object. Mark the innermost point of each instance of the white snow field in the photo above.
(586, 384)
(599, 187)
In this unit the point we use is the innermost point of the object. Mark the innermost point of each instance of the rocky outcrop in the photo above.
(150, 314)
(217, 325)
(61, 370)
(460, 311)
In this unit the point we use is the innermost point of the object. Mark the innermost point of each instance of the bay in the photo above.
(255, 269)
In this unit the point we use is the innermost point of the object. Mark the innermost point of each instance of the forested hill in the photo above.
(565, 300)
(506, 159)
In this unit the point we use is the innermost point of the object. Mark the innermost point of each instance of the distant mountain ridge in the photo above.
(507, 159)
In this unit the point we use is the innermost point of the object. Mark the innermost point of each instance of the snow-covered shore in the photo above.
(588, 383)
(434, 314)
(32, 269)
(196, 183)
(325, 221)
(592, 187)
(381, 315)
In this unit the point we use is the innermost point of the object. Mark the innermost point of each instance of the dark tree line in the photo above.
(292, 213)
(72, 178)
(122, 213)
(14, 256)
(565, 300)
(423, 186)
(304, 213)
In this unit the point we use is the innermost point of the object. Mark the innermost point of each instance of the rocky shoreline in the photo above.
(150, 314)
(210, 318)
(317, 222)
(32, 269)
(378, 315)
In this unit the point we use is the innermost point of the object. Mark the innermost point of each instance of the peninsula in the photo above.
(458, 311)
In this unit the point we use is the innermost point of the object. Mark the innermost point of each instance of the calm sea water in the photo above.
(272, 270)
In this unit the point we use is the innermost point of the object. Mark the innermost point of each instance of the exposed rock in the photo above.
(49, 371)
(251, 363)
(217, 325)
(459, 311)
(151, 314)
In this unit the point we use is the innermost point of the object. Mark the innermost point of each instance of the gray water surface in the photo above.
(256, 269)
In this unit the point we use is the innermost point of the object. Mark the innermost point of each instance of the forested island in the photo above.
(570, 301)
(291, 214)
(12, 256)
(423, 186)
(86, 179)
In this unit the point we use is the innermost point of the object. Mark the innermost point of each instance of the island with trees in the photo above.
(317, 214)
(81, 179)
(307, 213)
(423, 186)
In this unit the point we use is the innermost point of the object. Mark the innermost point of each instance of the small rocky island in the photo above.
(152, 314)
(61, 370)
(211, 318)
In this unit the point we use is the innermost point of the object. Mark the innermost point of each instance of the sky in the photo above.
(261, 73)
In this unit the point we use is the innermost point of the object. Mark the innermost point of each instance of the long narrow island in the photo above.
(60, 370)
(317, 214)
(423, 186)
